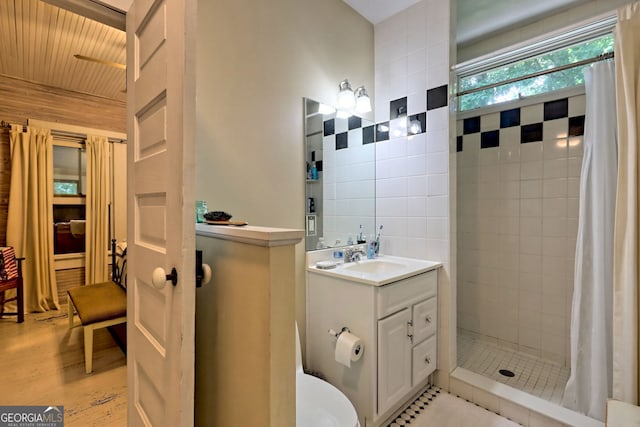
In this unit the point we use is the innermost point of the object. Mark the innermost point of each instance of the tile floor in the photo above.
(533, 375)
(436, 407)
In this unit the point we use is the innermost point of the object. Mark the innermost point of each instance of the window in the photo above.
(69, 189)
(499, 83)
(69, 170)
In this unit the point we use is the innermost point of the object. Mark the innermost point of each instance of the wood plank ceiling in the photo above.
(38, 42)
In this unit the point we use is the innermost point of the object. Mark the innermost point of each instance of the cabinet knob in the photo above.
(428, 319)
(427, 360)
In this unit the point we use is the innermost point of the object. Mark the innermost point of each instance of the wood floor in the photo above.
(43, 364)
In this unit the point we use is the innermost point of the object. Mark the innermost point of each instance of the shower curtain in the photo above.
(627, 232)
(589, 385)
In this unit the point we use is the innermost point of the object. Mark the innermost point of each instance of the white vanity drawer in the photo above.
(398, 295)
(424, 360)
(425, 319)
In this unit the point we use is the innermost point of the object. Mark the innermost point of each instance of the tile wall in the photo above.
(518, 173)
(412, 56)
(348, 178)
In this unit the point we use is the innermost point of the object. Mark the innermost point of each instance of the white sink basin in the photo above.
(374, 266)
(376, 272)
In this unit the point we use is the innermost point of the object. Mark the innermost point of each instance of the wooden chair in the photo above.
(11, 278)
(100, 305)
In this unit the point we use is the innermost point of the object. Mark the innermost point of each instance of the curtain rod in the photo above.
(54, 132)
(602, 57)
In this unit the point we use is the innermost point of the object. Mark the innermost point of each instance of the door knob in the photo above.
(203, 271)
(159, 277)
(206, 274)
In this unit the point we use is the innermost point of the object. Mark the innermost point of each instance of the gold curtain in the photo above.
(30, 219)
(626, 259)
(97, 232)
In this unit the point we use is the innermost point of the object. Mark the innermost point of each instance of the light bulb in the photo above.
(346, 98)
(363, 102)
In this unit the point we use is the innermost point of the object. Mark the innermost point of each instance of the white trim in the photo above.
(63, 127)
(582, 31)
(526, 400)
(67, 261)
(69, 200)
(70, 144)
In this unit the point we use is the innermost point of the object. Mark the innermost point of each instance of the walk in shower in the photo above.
(518, 178)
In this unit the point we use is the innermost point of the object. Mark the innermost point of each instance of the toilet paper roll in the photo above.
(349, 348)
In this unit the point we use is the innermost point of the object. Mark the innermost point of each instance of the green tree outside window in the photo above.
(535, 85)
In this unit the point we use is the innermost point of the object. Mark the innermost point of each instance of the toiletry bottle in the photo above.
(314, 171)
(361, 237)
(201, 209)
(312, 205)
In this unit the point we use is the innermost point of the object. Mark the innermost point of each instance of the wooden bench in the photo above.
(100, 305)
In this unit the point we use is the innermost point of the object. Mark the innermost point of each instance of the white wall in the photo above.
(255, 63)
(521, 33)
(412, 172)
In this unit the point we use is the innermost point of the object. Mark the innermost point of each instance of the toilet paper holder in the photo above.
(335, 334)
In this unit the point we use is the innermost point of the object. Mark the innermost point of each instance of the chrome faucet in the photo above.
(353, 254)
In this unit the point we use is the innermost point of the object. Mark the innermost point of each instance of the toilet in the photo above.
(318, 403)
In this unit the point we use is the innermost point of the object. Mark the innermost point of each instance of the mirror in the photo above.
(340, 177)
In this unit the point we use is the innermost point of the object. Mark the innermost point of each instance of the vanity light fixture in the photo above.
(346, 97)
(350, 102)
(363, 102)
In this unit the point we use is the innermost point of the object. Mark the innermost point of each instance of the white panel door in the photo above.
(394, 359)
(161, 211)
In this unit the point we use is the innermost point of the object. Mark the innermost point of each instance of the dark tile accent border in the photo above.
(355, 122)
(510, 118)
(471, 125)
(437, 97)
(576, 126)
(556, 109)
(417, 124)
(490, 139)
(531, 133)
(342, 140)
(380, 134)
(368, 135)
(329, 127)
(398, 108)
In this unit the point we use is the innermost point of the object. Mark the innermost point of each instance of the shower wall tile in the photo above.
(517, 219)
(412, 62)
(411, 79)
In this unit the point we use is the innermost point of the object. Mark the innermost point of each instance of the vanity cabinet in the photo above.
(397, 323)
(405, 356)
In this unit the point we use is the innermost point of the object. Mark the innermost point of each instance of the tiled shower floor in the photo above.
(533, 375)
